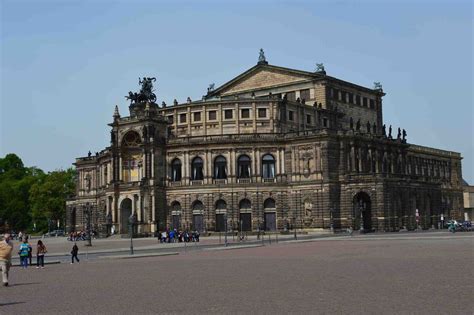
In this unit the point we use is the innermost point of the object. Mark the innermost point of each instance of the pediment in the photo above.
(264, 78)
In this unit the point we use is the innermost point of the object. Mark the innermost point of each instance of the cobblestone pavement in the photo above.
(392, 274)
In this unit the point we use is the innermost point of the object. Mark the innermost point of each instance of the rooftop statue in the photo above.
(377, 86)
(261, 56)
(146, 92)
(320, 67)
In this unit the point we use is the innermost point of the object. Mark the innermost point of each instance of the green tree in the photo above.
(15, 183)
(48, 197)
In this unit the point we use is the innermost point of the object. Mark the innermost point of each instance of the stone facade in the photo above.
(272, 148)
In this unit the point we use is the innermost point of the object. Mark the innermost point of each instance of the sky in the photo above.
(66, 64)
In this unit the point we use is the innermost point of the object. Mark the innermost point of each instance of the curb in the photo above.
(232, 247)
(51, 262)
(138, 256)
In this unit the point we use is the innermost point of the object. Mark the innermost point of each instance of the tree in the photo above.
(48, 197)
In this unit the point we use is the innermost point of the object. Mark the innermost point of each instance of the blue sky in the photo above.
(66, 64)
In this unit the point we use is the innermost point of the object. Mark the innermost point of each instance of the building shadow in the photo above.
(26, 283)
(11, 303)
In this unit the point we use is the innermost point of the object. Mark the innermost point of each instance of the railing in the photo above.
(269, 180)
(197, 182)
(244, 180)
(220, 181)
(176, 183)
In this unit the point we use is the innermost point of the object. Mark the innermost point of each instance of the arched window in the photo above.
(176, 170)
(269, 203)
(220, 167)
(175, 206)
(221, 204)
(243, 167)
(197, 205)
(268, 166)
(245, 204)
(196, 169)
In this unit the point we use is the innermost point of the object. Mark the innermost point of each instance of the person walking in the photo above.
(24, 252)
(74, 252)
(6, 248)
(40, 251)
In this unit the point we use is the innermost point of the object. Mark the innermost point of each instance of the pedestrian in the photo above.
(6, 248)
(23, 252)
(40, 251)
(74, 252)
(30, 250)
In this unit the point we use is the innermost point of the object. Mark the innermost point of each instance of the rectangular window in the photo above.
(262, 113)
(290, 115)
(308, 119)
(358, 99)
(182, 118)
(197, 116)
(170, 119)
(212, 115)
(351, 98)
(291, 96)
(228, 114)
(335, 94)
(304, 95)
(343, 96)
(372, 104)
(364, 101)
(245, 113)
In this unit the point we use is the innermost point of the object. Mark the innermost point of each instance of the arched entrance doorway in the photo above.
(175, 215)
(245, 208)
(221, 208)
(72, 222)
(362, 212)
(125, 213)
(270, 214)
(198, 222)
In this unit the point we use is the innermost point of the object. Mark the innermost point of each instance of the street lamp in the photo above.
(331, 217)
(88, 224)
(108, 222)
(294, 227)
(225, 234)
(361, 210)
(131, 223)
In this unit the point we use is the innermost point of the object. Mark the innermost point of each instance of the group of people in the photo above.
(26, 253)
(173, 236)
(79, 236)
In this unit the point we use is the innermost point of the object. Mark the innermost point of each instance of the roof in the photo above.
(265, 66)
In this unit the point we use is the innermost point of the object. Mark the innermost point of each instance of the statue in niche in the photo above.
(88, 182)
(368, 127)
(374, 128)
(145, 133)
(351, 123)
(308, 207)
(358, 125)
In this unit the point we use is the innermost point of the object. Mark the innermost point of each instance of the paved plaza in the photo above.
(411, 273)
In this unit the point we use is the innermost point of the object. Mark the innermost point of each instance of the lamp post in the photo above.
(331, 217)
(88, 223)
(294, 227)
(225, 227)
(361, 210)
(108, 222)
(131, 223)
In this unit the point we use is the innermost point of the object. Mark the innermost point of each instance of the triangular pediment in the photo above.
(262, 77)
